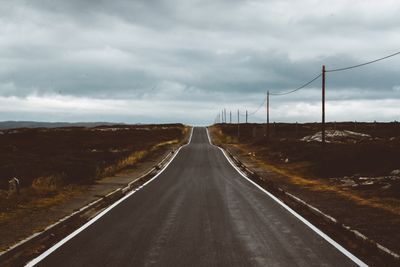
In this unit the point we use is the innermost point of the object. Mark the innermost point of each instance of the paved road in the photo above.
(198, 212)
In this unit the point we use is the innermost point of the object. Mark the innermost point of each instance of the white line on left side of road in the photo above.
(101, 214)
(294, 213)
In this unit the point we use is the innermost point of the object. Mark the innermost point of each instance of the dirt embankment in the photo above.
(63, 169)
(353, 178)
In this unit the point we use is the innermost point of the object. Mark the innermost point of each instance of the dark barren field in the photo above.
(355, 177)
(77, 155)
(366, 149)
(59, 169)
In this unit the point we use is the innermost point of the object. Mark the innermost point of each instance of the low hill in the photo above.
(36, 124)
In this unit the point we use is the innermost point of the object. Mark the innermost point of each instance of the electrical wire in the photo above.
(284, 93)
(298, 88)
(314, 79)
(363, 64)
(258, 108)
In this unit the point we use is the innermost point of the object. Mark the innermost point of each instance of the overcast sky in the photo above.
(183, 60)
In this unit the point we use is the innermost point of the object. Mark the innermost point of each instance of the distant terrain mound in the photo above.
(36, 124)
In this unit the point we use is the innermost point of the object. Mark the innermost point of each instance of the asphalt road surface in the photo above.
(199, 212)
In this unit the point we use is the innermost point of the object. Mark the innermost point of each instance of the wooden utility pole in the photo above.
(225, 114)
(246, 116)
(268, 115)
(238, 122)
(230, 116)
(323, 105)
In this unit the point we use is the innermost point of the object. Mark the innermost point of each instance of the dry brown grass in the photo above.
(133, 159)
(49, 183)
(31, 199)
(293, 174)
(80, 154)
(49, 191)
(390, 205)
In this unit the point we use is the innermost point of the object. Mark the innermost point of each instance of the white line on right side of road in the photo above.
(101, 214)
(298, 216)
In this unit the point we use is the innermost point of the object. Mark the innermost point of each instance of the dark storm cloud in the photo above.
(209, 53)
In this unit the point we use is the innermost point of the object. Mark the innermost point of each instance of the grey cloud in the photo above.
(205, 52)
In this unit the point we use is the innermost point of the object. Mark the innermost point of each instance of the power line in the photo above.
(298, 88)
(311, 81)
(284, 93)
(363, 64)
(259, 107)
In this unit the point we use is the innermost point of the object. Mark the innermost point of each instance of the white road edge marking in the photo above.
(298, 216)
(101, 214)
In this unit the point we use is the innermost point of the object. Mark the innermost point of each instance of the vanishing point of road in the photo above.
(198, 212)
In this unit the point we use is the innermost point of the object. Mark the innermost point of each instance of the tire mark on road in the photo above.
(165, 233)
